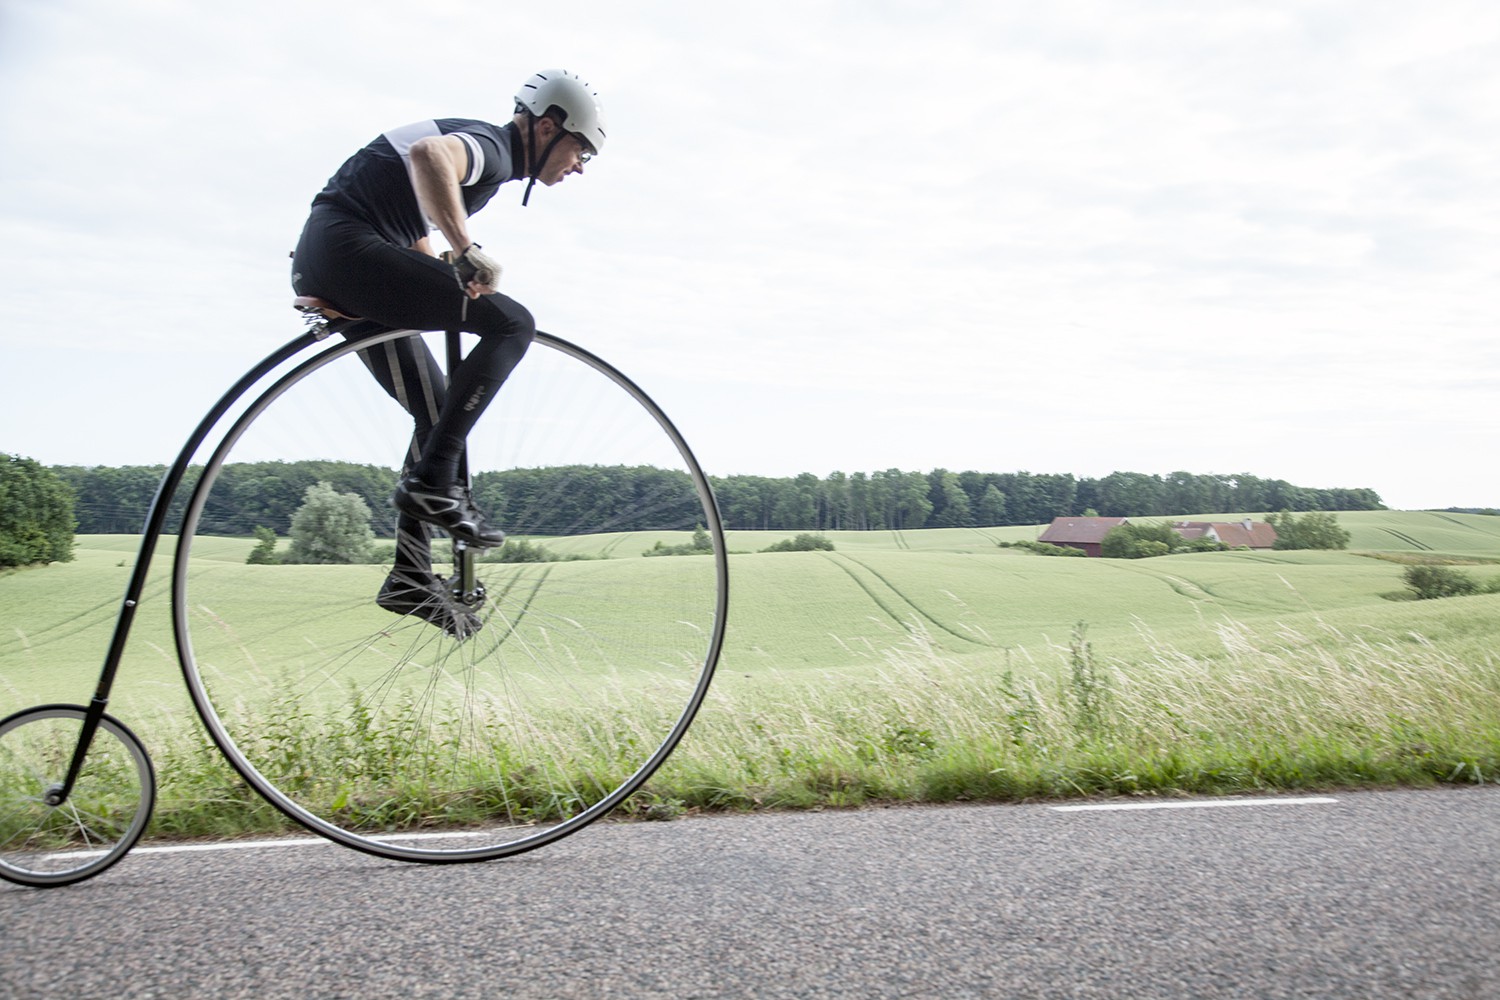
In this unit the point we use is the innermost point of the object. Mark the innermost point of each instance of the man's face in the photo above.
(567, 157)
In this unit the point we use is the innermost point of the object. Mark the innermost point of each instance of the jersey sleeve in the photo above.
(489, 164)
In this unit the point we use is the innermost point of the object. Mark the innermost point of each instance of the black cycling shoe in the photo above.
(426, 597)
(449, 507)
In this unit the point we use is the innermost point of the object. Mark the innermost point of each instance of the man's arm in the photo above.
(438, 165)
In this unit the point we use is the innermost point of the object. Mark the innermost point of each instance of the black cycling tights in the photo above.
(342, 260)
(406, 369)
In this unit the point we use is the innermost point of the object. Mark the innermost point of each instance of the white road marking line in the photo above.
(242, 845)
(1279, 800)
(246, 845)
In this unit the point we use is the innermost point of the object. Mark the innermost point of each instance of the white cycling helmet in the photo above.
(558, 88)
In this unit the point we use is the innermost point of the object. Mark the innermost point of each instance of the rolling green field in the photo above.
(825, 610)
(935, 665)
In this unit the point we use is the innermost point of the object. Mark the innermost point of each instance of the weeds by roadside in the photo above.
(1269, 710)
(1284, 711)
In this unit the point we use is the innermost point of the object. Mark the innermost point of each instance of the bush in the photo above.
(701, 545)
(1140, 540)
(1147, 548)
(264, 553)
(519, 550)
(36, 514)
(1043, 548)
(1432, 582)
(801, 543)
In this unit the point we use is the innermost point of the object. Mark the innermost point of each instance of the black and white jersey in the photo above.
(375, 183)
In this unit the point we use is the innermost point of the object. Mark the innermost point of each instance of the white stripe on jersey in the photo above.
(403, 138)
(476, 158)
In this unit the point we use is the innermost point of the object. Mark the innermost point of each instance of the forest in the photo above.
(114, 500)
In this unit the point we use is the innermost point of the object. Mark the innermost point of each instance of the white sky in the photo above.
(1075, 237)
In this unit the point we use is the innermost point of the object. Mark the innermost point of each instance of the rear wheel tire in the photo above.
(49, 844)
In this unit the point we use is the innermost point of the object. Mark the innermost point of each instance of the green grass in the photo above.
(917, 666)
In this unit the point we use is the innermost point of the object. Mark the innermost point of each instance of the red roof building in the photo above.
(1246, 534)
(1086, 533)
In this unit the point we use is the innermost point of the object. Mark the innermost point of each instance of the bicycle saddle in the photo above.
(311, 303)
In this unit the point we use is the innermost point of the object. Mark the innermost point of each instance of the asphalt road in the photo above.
(1371, 895)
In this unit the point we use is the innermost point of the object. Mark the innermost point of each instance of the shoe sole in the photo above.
(422, 603)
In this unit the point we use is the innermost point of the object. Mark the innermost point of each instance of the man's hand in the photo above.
(478, 273)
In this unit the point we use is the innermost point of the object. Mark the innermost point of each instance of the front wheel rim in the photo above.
(545, 619)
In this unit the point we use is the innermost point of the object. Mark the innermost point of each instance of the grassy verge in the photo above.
(1280, 711)
(1270, 709)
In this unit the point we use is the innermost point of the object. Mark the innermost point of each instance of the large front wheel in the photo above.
(600, 620)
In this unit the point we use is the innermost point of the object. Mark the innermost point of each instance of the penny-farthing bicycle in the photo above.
(382, 732)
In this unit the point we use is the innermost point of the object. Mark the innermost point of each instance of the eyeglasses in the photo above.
(584, 149)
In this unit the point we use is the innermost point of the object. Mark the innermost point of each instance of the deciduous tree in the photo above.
(1314, 530)
(36, 514)
(331, 527)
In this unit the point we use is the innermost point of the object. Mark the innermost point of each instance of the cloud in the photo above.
(1071, 235)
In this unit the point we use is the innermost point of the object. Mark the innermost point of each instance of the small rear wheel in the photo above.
(50, 843)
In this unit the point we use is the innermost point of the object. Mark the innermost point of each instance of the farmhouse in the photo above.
(1246, 534)
(1087, 533)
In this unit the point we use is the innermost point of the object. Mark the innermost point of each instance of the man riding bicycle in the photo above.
(365, 250)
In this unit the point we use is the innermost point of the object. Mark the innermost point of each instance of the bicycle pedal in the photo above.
(470, 599)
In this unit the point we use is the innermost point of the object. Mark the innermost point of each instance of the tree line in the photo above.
(114, 500)
(894, 499)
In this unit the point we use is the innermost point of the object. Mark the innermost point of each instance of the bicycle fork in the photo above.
(465, 585)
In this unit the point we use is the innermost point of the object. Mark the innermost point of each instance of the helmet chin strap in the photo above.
(537, 162)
